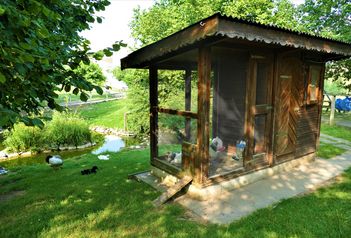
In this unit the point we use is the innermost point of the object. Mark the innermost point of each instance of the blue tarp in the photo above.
(343, 104)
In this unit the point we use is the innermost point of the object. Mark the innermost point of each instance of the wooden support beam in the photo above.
(153, 98)
(332, 110)
(320, 103)
(250, 110)
(186, 114)
(203, 124)
(188, 103)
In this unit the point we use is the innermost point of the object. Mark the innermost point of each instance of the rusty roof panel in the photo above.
(223, 26)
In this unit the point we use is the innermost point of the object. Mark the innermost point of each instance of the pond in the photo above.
(111, 144)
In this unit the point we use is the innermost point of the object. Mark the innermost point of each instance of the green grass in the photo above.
(327, 151)
(67, 204)
(107, 114)
(336, 131)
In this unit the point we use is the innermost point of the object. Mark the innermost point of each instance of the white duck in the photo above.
(55, 161)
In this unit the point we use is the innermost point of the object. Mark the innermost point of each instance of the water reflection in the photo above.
(112, 144)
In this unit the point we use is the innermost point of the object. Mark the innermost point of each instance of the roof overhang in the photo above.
(217, 27)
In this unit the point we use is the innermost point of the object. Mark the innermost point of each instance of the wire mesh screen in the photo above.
(173, 132)
(228, 109)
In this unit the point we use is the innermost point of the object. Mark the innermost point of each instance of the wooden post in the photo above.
(125, 122)
(187, 103)
(153, 98)
(332, 110)
(203, 105)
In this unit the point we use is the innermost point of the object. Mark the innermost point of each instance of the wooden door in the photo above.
(289, 100)
(259, 110)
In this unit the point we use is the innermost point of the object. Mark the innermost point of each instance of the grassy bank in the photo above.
(108, 114)
(67, 204)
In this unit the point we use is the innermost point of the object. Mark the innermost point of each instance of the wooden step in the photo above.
(173, 190)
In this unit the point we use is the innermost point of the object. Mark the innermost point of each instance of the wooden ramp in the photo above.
(170, 192)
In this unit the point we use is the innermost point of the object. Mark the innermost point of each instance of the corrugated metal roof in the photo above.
(275, 27)
(219, 25)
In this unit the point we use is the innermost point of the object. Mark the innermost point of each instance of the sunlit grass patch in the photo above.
(327, 151)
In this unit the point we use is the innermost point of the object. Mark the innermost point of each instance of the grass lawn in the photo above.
(336, 131)
(327, 151)
(67, 204)
(107, 114)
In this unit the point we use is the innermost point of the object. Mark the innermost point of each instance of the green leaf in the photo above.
(27, 121)
(98, 90)
(84, 97)
(43, 32)
(3, 119)
(2, 11)
(21, 69)
(51, 104)
(99, 20)
(25, 46)
(99, 55)
(67, 87)
(37, 122)
(108, 53)
(116, 47)
(76, 91)
(27, 58)
(2, 78)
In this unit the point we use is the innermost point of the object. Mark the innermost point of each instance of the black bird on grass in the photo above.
(93, 170)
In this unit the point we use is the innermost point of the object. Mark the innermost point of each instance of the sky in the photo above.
(115, 26)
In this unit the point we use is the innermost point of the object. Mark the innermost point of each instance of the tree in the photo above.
(173, 15)
(92, 73)
(40, 48)
(340, 74)
(330, 18)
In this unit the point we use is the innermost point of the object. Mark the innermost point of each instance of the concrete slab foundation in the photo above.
(231, 200)
(230, 206)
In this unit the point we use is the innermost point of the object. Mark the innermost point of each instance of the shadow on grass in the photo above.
(67, 204)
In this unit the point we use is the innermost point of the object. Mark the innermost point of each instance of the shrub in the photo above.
(24, 138)
(67, 129)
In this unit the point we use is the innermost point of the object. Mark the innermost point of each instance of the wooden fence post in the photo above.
(125, 122)
(332, 110)
(153, 98)
(187, 103)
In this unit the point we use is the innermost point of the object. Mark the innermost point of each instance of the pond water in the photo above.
(111, 144)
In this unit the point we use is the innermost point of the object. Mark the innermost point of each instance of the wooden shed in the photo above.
(259, 84)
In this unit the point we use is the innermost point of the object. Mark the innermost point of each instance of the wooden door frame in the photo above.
(252, 110)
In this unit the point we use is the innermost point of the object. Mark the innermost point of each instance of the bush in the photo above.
(24, 138)
(65, 129)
